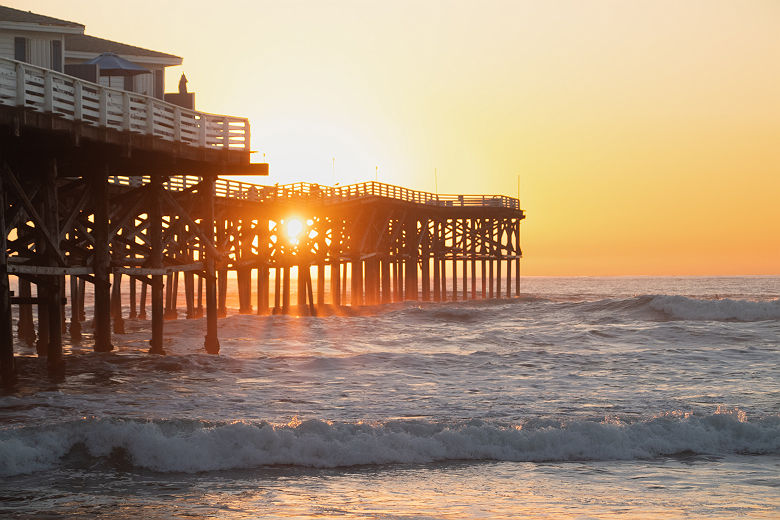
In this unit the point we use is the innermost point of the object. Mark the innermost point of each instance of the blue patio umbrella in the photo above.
(112, 65)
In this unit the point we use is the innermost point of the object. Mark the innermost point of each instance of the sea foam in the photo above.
(195, 446)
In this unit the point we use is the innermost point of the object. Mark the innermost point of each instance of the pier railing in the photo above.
(228, 188)
(48, 91)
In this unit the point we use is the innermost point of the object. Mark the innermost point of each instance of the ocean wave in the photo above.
(196, 446)
(676, 307)
(684, 308)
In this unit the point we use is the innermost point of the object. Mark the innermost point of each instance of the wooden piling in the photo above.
(101, 263)
(356, 289)
(320, 283)
(410, 267)
(300, 293)
(387, 295)
(199, 305)
(75, 312)
(133, 298)
(142, 307)
(335, 282)
(26, 326)
(156, 262)
(211, 341)
(425, 265)
(7, 363)
(189, 294)
(498, 277)
(116, 304)
(244, 284)
(82, 295)
(262, 289)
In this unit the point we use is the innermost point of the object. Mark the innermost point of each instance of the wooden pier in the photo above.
(109, 191)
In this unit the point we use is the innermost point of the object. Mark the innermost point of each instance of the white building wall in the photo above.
(38, 46)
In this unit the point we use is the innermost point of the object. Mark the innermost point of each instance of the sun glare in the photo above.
(293, 228)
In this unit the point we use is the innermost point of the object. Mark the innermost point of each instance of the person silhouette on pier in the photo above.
(183, 84)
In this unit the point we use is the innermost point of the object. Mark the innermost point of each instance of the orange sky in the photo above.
(646, 134)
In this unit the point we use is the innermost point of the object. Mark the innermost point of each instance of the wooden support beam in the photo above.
(54, 257)
(156, 262)
(335, 282)
(7, 362)
(307, 284)
(211, 341)
(189, 294)
(40, 223)
(116, 304)
(244, 283)
(26, 326)
(199, 305)
(286, 290)
(410, 270)
(133, 298)
(356, 289)
(262, 289)
(320, 283)
(436, 263)
(222, 287)
(387, 296)
(75, 311)
(278, 290)
(300, 293)
(518, 253)
(425, 265)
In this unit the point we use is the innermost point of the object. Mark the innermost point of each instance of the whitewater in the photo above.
(582, 398)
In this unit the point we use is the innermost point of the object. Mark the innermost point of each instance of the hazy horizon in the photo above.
(644, 134)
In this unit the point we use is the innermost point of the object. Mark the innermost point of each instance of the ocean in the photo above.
(582, 398)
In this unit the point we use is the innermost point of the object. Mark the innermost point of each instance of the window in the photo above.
(20, 48)
(56, 55)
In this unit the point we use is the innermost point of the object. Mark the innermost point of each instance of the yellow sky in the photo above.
(646, 134)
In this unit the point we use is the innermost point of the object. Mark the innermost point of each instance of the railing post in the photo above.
(126, 111)
(150, 117)
(177, 124)
(225, 133)
(103, 119)
(21, 91)
(78, 101)
(247, 136)
(203, 123)
(48, 92)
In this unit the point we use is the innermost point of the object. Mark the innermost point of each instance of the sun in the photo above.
(293, 229)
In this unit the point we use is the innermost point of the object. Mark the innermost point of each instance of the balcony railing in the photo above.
(48, 91)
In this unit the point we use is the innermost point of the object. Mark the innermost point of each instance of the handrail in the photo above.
(236, 190)
(74, 99)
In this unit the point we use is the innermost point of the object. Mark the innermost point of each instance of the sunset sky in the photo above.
(645, 134)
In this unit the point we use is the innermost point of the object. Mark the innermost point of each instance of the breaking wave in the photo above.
(674, 307)
(196, 446)
(683, 308)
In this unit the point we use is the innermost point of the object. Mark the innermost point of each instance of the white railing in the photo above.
(45, 90)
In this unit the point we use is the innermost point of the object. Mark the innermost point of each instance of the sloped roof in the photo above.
(92, 44)
(8, 14)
